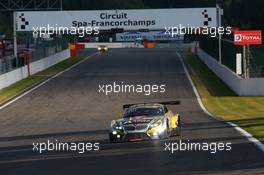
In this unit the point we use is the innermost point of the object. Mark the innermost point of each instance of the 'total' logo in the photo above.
(248, 37)
(238, 37)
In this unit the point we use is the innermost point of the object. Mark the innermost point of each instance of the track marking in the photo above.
(249, 136)
(44, 82)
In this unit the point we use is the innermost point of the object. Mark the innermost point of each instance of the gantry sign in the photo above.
(125, 19)
(12, 5)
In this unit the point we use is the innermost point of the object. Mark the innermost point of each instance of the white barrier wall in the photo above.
(252, 86)
(49, 61)
(21, 73)
(243, 87)
(12, 77)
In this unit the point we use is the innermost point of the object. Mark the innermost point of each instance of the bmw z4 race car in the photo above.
(145, 121)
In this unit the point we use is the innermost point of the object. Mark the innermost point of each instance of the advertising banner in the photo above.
(126, 19)
(151, 36)
(248, 37)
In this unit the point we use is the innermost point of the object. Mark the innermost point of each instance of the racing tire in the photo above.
(179, 127)
(177, 131)
(112, 139)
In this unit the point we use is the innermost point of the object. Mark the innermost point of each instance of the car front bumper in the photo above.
(133, 136)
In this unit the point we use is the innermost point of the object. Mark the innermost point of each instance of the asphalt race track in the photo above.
(69, 108)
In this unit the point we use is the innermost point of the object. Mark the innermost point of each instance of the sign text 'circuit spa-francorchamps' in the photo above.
(126, 19)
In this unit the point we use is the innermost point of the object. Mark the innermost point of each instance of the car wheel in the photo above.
(112, 139)
(177, 131)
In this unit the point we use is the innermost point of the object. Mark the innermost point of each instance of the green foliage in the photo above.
(6, 24)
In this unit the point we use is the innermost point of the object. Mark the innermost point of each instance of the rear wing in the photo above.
(177, 102)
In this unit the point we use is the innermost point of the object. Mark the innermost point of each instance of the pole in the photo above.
(244, 62)
(220, 48)
(248, 59)
(219, 24)
(14, 34)
(61, 5)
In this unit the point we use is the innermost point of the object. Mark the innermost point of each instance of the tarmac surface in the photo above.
(69, 108)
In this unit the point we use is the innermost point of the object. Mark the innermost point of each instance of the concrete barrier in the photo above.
(11, 77)
(252, 87)
(49, 61)
(243, 87)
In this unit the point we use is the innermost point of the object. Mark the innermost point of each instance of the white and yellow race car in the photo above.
(145, 121)
(102, 48)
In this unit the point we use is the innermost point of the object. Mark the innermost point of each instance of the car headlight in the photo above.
(116, 126)
(157, 127)
(156, 124)
(99, 48)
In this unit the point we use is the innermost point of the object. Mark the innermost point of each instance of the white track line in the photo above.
(42, 83)
(252, 139)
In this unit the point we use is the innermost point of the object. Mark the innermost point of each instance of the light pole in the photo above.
(14, 33)
(219, 13)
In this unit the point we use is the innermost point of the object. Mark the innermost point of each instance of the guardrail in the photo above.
(18, 74)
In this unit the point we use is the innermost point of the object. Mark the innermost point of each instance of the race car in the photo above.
(145, 121)
(102, 48)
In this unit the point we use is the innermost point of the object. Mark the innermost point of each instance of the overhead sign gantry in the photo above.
(125, 19)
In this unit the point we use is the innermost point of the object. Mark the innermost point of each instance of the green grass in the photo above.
(20, 86)
(222, 102)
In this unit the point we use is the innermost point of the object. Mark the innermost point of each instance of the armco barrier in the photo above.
(21, 73)
(243, 87)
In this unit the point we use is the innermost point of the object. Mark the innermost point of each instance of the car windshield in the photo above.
(144, 111)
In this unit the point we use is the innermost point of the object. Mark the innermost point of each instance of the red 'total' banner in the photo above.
(248, 37)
